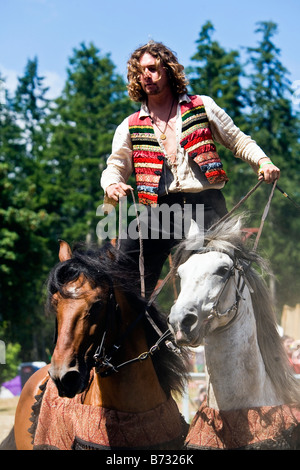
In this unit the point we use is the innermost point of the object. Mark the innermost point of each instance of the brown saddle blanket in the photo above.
(66, 424)
(263, 428)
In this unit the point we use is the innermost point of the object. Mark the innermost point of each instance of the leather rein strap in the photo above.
(242, 274)
(103, 361)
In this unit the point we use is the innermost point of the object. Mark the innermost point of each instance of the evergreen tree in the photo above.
(218, 74)
(269, 97)
(93, 102)
(21, 243)
(11, 140)
(264, 111)
(276, 128)
(31, 106)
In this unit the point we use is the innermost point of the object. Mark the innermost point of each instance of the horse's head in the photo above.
(207, 297)
(80, 306)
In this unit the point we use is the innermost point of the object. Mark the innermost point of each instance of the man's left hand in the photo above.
(268, 171)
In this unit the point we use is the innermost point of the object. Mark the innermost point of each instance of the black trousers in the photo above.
(158, 241)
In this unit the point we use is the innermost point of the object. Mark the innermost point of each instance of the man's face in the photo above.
(153, 79)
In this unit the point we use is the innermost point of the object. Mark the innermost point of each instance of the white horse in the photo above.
(252, 395)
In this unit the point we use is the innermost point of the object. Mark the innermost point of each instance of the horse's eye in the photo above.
(222, 270)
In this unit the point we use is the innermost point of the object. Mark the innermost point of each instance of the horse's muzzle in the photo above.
(183, 325)
(69, 383)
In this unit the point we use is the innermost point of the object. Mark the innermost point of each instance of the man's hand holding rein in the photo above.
(117, 190)
(268, 171)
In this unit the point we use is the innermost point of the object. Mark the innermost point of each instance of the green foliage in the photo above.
(9, 370)
(266, 114)
(23, 245)
(82, 124)
(217, 73)
(273, 123)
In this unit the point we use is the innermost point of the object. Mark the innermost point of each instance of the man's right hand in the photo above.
(117, 190)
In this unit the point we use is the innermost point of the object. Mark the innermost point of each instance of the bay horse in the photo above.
(253, 397)
(112, 374)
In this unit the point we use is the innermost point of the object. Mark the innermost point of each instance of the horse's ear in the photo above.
(113, 241)
(65, 251)
(194, 230)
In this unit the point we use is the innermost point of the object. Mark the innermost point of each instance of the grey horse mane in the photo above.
(227, 237)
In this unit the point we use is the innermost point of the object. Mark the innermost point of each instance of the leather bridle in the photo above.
(103, 360)
(214, 311)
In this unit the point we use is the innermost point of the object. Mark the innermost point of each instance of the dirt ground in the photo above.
(7, 415)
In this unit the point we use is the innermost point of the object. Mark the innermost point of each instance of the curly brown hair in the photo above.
(164, 57)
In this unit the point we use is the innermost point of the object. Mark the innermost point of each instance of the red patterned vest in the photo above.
(196, 139)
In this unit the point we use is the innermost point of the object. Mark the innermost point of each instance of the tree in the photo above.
(9, 369)
(275, 127)
(93, 102)
(269, 97)
(22, 245)
(263, 110)
(217, 73)
(31, 107)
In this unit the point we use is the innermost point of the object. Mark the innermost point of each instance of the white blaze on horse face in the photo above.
(201, 278)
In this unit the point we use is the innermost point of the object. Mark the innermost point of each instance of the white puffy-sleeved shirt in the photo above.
(186, 175)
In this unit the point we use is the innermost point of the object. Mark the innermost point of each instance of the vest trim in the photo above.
(196, 139)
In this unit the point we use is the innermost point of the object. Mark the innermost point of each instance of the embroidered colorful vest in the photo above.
(196, 139)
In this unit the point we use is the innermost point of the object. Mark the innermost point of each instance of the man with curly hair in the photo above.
(170, 146)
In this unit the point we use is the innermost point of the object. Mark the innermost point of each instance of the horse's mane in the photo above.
(108, 265)
(227, 237)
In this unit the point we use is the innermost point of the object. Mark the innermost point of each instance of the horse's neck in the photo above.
(237, 376)
(135, 387)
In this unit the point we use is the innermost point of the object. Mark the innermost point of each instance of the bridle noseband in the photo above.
(214, 312)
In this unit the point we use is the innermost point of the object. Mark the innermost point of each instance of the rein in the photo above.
(225, 217)
(104, 361)
(214, 313)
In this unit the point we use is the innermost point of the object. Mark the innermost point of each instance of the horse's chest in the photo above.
(263, 428)
(66, 424)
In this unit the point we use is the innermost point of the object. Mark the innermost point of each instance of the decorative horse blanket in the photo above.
(68, 424)
(264, 428)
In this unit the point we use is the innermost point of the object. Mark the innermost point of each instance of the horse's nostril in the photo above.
(69, 384)
(189, 319)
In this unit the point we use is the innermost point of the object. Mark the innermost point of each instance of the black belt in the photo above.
(203, 197)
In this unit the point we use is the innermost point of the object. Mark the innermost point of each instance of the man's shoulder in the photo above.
(133, 117)
(193, 101)
(204, 98)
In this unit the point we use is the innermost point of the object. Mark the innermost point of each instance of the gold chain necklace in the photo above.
(163, 133)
